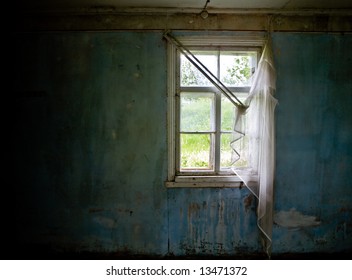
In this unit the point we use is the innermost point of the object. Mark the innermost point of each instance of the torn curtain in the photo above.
(259, 109)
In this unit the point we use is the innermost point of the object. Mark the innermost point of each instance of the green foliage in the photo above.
(197, 110)
(195, 150)
(195, 117)
(191, 76)
(237, 72)
(227, 114)
(240, 71)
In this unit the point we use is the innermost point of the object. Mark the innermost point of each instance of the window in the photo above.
(200, 117)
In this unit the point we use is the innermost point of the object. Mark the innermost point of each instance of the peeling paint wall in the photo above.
(212, 222)
(314, 136)
(90, 150)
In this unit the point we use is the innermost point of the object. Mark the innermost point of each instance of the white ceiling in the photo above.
(181, 4)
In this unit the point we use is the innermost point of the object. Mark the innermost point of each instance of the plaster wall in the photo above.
(90, 149)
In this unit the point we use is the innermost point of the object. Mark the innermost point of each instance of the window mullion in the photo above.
(217, 121)
(217, 131)
(177, 127)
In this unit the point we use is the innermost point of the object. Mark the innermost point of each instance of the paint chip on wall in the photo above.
(295, 219)
(105, 222)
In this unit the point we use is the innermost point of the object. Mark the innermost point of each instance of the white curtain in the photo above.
(256, 122)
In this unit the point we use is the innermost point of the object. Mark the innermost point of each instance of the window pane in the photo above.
(227, 153)
(195, 151)
(191, 76)
(225, 150)
(196, 112)
(237, 68)
(228, 111)
(227, 114)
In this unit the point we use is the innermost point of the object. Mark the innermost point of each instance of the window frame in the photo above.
(176, 178)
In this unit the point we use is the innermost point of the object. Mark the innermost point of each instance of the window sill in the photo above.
(205, 182)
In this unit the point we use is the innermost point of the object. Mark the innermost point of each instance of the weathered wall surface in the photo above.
(90, 143)
(314, 134)
(212, 222)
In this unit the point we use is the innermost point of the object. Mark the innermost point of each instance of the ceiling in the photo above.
(182, 4)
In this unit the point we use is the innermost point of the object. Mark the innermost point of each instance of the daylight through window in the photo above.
(206, 116)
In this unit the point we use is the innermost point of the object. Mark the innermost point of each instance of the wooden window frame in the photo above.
(199, 178)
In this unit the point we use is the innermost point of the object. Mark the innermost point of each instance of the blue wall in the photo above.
(91, 150)
(314, 137)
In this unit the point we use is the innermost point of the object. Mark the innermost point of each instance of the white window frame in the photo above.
(189, 179)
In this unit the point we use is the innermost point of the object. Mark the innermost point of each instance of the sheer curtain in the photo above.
(259, 115)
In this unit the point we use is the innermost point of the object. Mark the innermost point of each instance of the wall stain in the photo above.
(95, 210)
(193, 209)
(105, 222)
(248, 201)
